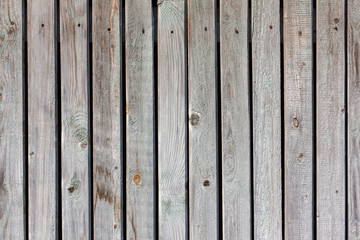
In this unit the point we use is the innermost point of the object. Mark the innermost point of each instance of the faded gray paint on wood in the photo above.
(11, 121)
(298, 104)
(74, 120)
(202, 122)
(266, 119)
(172, 119)
(235, 120)
(330, 119)
(140, 122)
(107, 163)
(42, 120)
(353, 119)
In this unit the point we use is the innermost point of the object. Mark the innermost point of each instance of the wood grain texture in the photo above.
(74, 119)
(266, 119)
(11, 121)
(172, 119)
(298, 103)
(330, 119)
(202, 122)
(42, 119)
(107, 164)
(353, 119)
(235, 120)
(140, 124)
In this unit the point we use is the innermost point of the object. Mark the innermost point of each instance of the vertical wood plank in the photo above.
(172, 119)
(235, 120)
(202, 112)
(106, 119)
(353, 119)
(267, 119)
(74, 119)
(330, 119)
(139, 120)
(298, 95)
(42, 119)
(11, 125)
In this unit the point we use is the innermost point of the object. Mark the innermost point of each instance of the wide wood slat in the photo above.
(107, 162)
(298, 108)
(74, 120)
(42, 117)
(235, 120)
(12, 217)
(330, 119)
(140, 124)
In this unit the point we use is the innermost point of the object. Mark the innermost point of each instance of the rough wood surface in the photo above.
(172, 119)
(235, 120)
(140, 122)
(106, 119)
(266, 119)
(42, 119)
(202, 120)
(74, 120)
(353, 119)
(330, 119)
(298, 96)
(11, 121)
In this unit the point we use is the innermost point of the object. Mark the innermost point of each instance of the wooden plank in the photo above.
(202, 112)
(140, 150)
(106, 119)
(353, 119)
(74, 120)
(172, 119)
(330, 119)
(266, 119)
(235, 120)
(42, 119)
(11, 121)
(298, 96)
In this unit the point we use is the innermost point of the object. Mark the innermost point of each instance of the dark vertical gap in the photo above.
(314, 121)
(123, 121)
(25, 120)
(218, 120)
(346, 121)
(58, 120)
(90, 111)
(282, 85)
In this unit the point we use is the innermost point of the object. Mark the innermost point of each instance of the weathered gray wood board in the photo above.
(107, 164)
(74, 120)
(266, 119)
(140, 154)
(202, 120)
(353, 119)
(330, 119)
(42, 119)
(172, 119)
(235, 120)
(11, 121)
(298, 109)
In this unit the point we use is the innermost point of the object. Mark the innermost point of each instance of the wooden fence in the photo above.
(179, 119)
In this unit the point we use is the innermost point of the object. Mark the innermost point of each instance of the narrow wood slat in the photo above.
(107, 164)
(353, 119)
(11, 121)
(140, 122)
(172, 119)
(330, 119)
(298, 96)
(235, 120)
(267, 119)
(42, 119)
(74, 120)
(202, 127)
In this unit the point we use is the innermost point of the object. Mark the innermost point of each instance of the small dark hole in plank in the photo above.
(236, 31)
(109, 29)
(270, 26)
(172, 31)
(143, 31)
(79, 24)
(42, 25)
(206, 183)
(205, 29)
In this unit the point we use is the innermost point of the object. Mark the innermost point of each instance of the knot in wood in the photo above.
(194, 119)
(136, 179)
(295, 122)
(206, 183)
